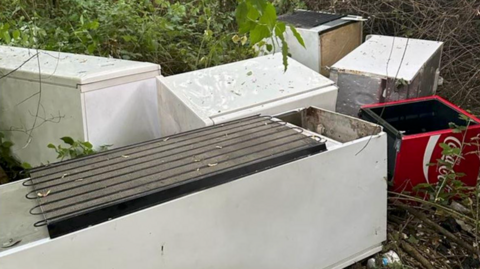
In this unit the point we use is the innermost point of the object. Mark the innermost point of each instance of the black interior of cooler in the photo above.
(419, 117)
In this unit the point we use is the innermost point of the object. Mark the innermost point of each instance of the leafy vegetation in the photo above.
(76, 148)
(12, 167)
(179, 35)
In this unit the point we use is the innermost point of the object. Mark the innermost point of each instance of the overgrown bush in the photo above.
(179, 35)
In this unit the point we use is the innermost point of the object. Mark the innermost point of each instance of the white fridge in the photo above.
(255, 86)
(47, 95)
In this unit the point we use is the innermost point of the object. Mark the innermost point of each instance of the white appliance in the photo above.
(226, 92)
(328, 37)
(102, 100)
(325, 209)
(384, 69)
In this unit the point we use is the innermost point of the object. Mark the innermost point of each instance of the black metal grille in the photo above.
(86, 191)
(308, 19)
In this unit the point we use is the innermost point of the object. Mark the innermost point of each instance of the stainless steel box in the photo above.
(384, 69)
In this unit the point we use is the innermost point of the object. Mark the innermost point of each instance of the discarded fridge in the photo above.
(231, 91)
(417, 129)
(235, 195)
(101, 100)
(385, 69)
(328, 37)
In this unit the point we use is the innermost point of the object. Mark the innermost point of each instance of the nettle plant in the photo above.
(76, 148)
(258, 18)
(449, 185)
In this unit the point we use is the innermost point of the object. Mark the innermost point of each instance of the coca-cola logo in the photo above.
(443, 169)
(432, 144)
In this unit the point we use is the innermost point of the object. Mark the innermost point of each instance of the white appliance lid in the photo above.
(243, 84)
(66, 68)
(372, 57)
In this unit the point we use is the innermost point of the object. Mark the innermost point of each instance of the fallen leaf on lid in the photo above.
(166, 139)
(219, 147)
(198, 169)
(125, 156)
(212, 164)
(11, 243)
(80, 179)
(43, 194)
(64, 175)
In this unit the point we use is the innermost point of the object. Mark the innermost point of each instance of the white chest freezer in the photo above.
(257, 192)
(226, 92)
(328, 37)
(102, 100)
(384, 69)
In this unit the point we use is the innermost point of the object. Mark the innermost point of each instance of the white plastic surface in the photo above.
(243, 84)
(387, 56)
(66, 68)
(303, 214)
(122, 115)
(226, 92)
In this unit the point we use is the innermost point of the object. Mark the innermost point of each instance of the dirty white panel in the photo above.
(66, 68)
(226, 92)
(59, 115)
(64, 78)
(243, 84)
(382, 56)
(133, 117)
(303, 214)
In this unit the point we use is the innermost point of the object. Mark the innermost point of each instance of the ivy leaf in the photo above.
(51, 146)
(258, 33)
(26, 166)
(297, 35)
(68, 140)
(7, 144)
(87, 144)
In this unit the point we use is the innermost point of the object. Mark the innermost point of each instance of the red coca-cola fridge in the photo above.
(417, 130)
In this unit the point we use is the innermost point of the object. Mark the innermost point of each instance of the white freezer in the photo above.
(102, 100)
(256, 86)
(327, 37)
(326, 210)
(385, 69)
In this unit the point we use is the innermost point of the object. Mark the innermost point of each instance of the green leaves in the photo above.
(259, 19)
(76, 148)
(67, 140)
(297, 35)
(259, 33)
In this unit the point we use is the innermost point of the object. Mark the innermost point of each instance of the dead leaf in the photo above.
(166, 139)
(80, 179)
(125, 156)
(43, 194)
(64, 175)
(11, 243)
(219, 147)
(212, 164)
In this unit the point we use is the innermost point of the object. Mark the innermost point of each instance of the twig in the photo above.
(415, 254)
(438, 228)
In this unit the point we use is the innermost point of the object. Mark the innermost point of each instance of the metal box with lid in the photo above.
(384, 69)
(239, 194)
(102, 100)
(328, 37)
(226, 92)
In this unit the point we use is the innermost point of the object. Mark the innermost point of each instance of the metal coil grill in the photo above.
(78, 193)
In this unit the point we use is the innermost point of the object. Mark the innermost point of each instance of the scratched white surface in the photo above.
(243, 84)
(404, 60)
(67, 68)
